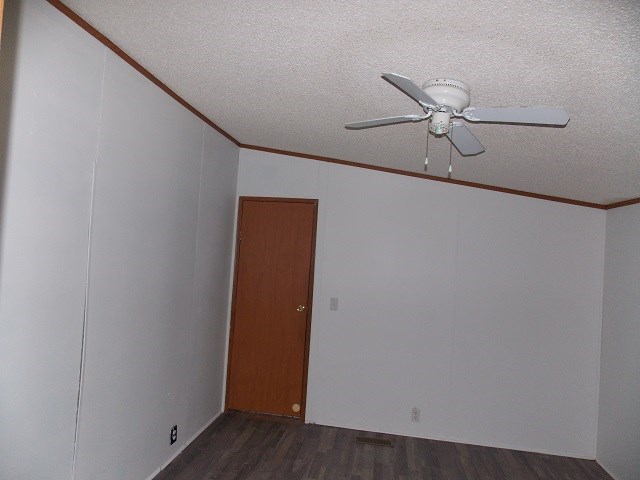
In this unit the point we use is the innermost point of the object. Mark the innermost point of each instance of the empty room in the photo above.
(319, 240)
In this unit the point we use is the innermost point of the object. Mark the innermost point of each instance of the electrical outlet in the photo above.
(415, 414)
(173, 437)
(333, 304)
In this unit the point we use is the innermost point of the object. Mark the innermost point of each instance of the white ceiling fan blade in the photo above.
(378, 122)
(464, 140)
(530, 115)
(409, 88)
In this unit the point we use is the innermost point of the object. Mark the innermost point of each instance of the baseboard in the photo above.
(456, 440)
(604, 467)
(353, 427)
(185, 445)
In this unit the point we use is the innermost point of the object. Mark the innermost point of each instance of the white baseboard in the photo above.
(406, 433)
(604, 467)
(353, 427)
(185, 445)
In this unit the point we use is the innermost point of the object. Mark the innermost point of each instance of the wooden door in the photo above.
(1, 12)
(271, 312)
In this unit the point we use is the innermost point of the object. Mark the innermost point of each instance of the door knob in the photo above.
(301, 308)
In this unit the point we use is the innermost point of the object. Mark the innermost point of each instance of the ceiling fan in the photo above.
(443, 99)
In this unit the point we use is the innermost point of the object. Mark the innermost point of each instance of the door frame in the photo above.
(307, 339)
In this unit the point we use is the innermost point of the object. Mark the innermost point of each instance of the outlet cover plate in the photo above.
(415, 414)
(333, 304)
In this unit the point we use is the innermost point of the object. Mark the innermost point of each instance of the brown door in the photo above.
(1, 11)
(268, 349)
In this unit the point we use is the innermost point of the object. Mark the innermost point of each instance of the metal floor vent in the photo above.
(377, 442)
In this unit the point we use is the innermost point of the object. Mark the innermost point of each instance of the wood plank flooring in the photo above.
(245, 446)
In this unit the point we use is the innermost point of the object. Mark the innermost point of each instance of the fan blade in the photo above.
(378, 122)
(409, 88)
(530, 115)
(464, 141)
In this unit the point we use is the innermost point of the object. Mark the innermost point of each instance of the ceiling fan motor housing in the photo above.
(452, 93)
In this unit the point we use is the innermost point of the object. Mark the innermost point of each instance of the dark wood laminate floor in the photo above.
(245, 446)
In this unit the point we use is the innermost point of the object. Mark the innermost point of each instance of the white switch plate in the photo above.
(415, 414)
(333, 304)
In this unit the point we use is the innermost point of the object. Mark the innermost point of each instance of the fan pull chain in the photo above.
(450, 150)
(426, 156)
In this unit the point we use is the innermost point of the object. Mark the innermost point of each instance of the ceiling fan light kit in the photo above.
(450, 95)
(442, 98)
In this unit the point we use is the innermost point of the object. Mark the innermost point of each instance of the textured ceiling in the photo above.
(289, 75)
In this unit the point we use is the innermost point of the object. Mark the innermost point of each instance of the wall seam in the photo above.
(602, 307)
(452, 405)
(194, 309)
(231, 276)
(87, 272)
(317, 314)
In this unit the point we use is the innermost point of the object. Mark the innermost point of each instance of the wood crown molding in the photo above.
(426, 177)
(623, 203)
(86, 26)
(124, 56)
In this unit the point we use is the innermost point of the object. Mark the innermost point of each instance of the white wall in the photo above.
(208, 336)
(111, 184)
(54, 92)
(480, 308)
(619, 413)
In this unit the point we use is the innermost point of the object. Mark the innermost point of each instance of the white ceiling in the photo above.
(289, 75)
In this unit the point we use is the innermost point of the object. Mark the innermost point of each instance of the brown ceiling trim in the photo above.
(124, 56)
(426, 177)
(623, 203)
